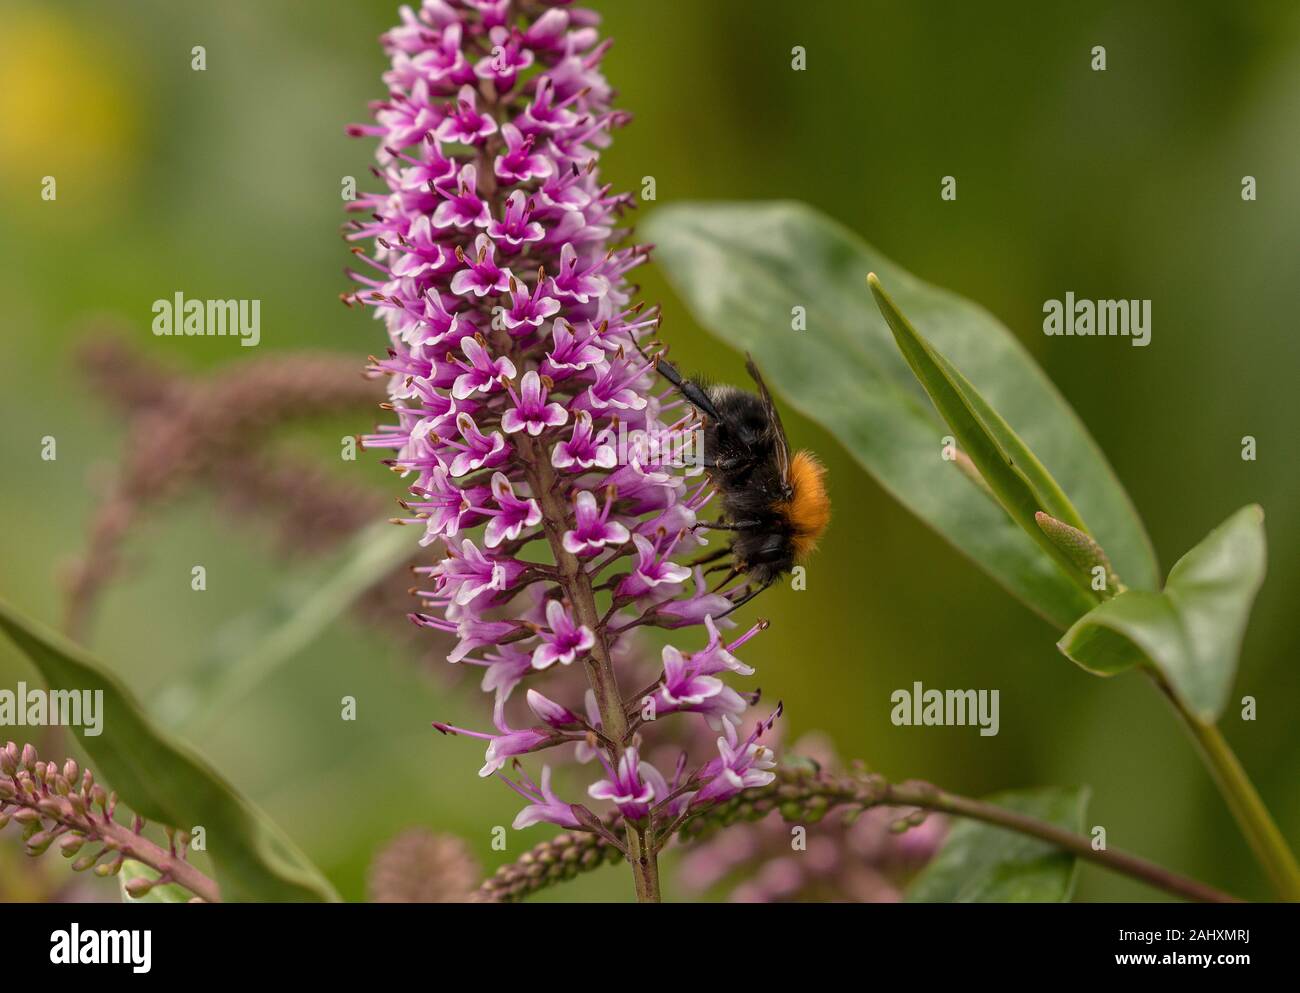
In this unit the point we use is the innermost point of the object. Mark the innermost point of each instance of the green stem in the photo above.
(804, 796)
(1253, 818)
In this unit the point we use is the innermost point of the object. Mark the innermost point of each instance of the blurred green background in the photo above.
(1123, 183)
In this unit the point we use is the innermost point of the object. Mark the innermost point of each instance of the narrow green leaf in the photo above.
(980, 863)
(1191, 632)
(253, 647)
(742, 268)
(1016, 477)
(165, 781)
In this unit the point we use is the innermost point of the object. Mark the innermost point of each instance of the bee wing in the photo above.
(774, 416)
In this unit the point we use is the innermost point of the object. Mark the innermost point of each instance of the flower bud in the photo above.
(71, 844)
(1082, 549)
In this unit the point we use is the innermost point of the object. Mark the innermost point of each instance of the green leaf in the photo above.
(165, 781)
(1018, 480)
(1191, 632)
(743, 267)
(252, 647)
(166, 893)
(980, 863)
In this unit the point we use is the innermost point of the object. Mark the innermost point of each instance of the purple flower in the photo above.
(465, 124)
(653, 569)
(504, 669)
(479, 450)
(516, 227)
(739, 766)
(631, 786)
(462, 206)
(531, 412)
(543, 805)
(507, 743)
(483, 371)
(551, 713)
(481, 274)
(514, 360)
(519, 163)
(564, 641)
(582, 450)
(592, 529)
(512, 514)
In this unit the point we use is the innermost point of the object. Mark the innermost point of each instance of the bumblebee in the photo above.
(775, 504)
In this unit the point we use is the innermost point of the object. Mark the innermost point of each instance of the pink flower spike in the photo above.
(593, 529)
(531, 412)
(564, 641)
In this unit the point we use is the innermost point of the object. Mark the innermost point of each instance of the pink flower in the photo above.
(512, 514)
(593, 529)
(465, 124)
(652, 569)
(564, 641)
(462, 206)
(543, 805)
(631, 786)
(531, 412)
(582, 449)
(481, 274)
(484, 373)
(519, 163)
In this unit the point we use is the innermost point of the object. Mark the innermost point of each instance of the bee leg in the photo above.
(746, 597)
(726, 579)
(712, 556)
(728, 525)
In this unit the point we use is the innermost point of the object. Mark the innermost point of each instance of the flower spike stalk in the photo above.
(529, 424)
(61, 806)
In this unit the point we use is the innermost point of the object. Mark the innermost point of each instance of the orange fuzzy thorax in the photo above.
(809, 510)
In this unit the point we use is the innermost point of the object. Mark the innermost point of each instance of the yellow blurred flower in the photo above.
(66, 107)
